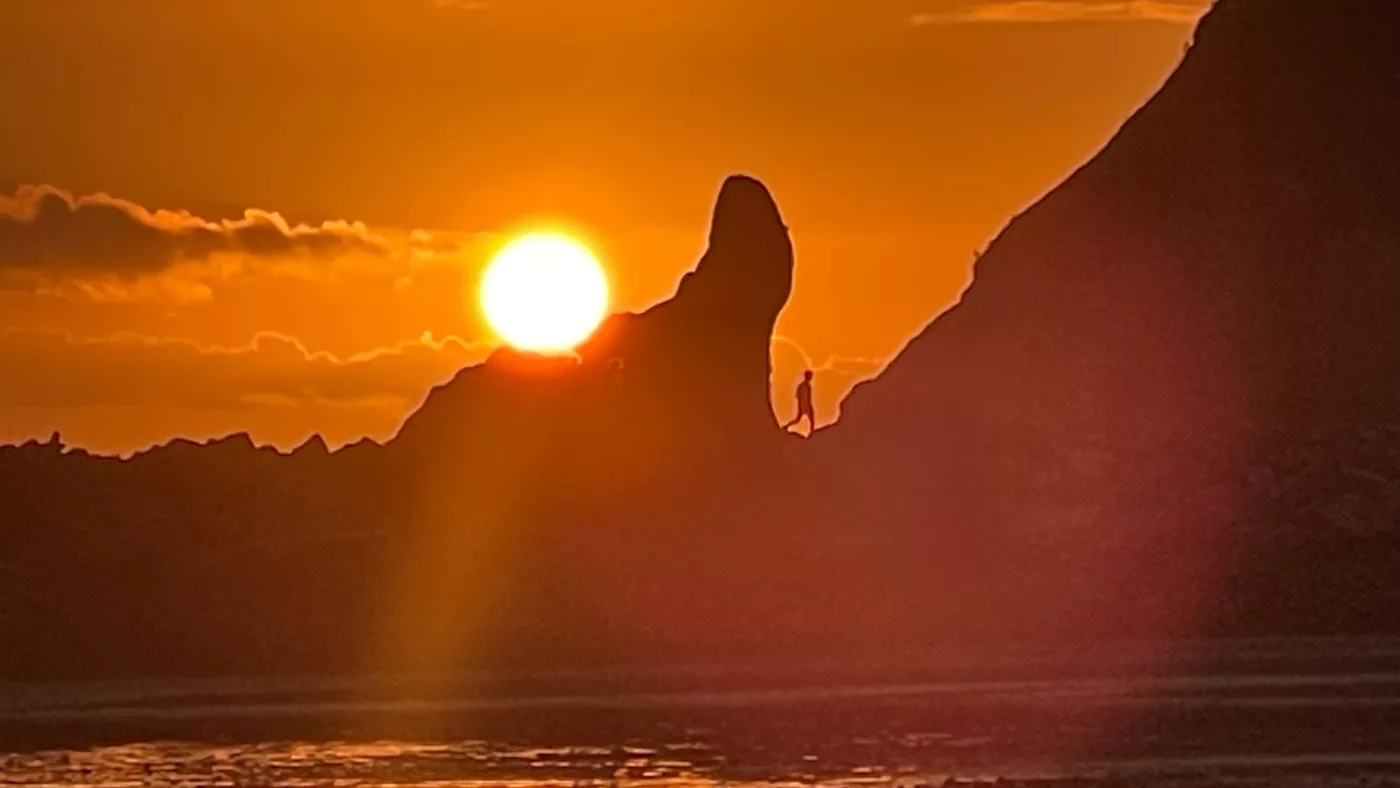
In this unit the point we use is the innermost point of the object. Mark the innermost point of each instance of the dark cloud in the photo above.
(49, 232)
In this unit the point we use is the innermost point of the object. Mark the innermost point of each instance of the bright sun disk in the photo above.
(544, 292)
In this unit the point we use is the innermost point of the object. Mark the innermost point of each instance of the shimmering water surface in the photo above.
(1307, 714)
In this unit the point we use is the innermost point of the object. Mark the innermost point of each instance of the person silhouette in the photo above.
(804, 404)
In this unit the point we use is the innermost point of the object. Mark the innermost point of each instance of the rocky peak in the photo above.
(706, 350)
(660, 389)
(748, 265)
(315, 446)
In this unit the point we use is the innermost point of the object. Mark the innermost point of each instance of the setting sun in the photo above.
(544, 292)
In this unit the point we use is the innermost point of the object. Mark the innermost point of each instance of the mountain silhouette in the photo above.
(1165, 407)
(513, 480)
(1182, 362)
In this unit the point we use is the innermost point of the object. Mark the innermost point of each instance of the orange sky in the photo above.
(897, 135)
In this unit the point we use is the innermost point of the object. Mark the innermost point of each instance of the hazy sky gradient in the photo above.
(897, 135)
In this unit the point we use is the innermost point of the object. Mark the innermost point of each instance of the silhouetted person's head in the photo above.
(807, 376)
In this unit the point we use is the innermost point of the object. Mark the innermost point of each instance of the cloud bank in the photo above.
(46, 229)
(1184, 12)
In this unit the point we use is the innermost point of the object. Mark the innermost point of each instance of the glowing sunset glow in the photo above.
(544, 293)
(312, 254)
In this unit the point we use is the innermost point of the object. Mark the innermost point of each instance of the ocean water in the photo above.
(1284, 713)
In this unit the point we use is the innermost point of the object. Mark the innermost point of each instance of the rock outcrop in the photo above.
(516, 485)
(678, 391)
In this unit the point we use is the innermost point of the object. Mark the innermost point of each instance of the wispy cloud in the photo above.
(1185, 12)
(834, 378)
(462, 5)
(115, 393)
(53, 368)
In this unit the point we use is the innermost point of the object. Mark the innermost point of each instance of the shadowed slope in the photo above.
(1169, 362)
